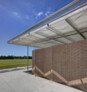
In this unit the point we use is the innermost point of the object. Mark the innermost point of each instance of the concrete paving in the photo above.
(21, 81)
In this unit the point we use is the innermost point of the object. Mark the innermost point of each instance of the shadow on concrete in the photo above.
(28, 71)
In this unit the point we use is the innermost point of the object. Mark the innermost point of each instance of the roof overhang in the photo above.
(65, 26)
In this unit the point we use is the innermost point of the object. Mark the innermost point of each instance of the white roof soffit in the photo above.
(69, 27)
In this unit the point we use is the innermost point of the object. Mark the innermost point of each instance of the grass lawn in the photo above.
(12, 63)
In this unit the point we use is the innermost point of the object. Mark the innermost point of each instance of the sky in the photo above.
(18, 15)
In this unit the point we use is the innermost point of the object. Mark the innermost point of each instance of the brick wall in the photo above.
(63, 63)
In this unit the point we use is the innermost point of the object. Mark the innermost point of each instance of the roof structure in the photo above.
(65, 26)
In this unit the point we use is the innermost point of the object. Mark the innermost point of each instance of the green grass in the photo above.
(12, 63)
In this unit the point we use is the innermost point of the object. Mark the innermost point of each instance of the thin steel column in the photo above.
(27, 57)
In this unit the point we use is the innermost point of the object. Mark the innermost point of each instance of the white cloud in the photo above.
(40, 13)
(16, 14)
(49, 12)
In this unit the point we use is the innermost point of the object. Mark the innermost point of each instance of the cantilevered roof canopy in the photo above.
(65, 26)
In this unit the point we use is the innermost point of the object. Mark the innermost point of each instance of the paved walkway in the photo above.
(21, 81)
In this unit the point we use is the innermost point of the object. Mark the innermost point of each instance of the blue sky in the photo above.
(18, 15)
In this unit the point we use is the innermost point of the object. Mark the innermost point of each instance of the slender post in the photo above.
(27, 57)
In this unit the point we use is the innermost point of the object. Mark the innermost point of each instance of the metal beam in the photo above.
(74, 27)
(58, 32)
(27, 57)
(48, 38)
